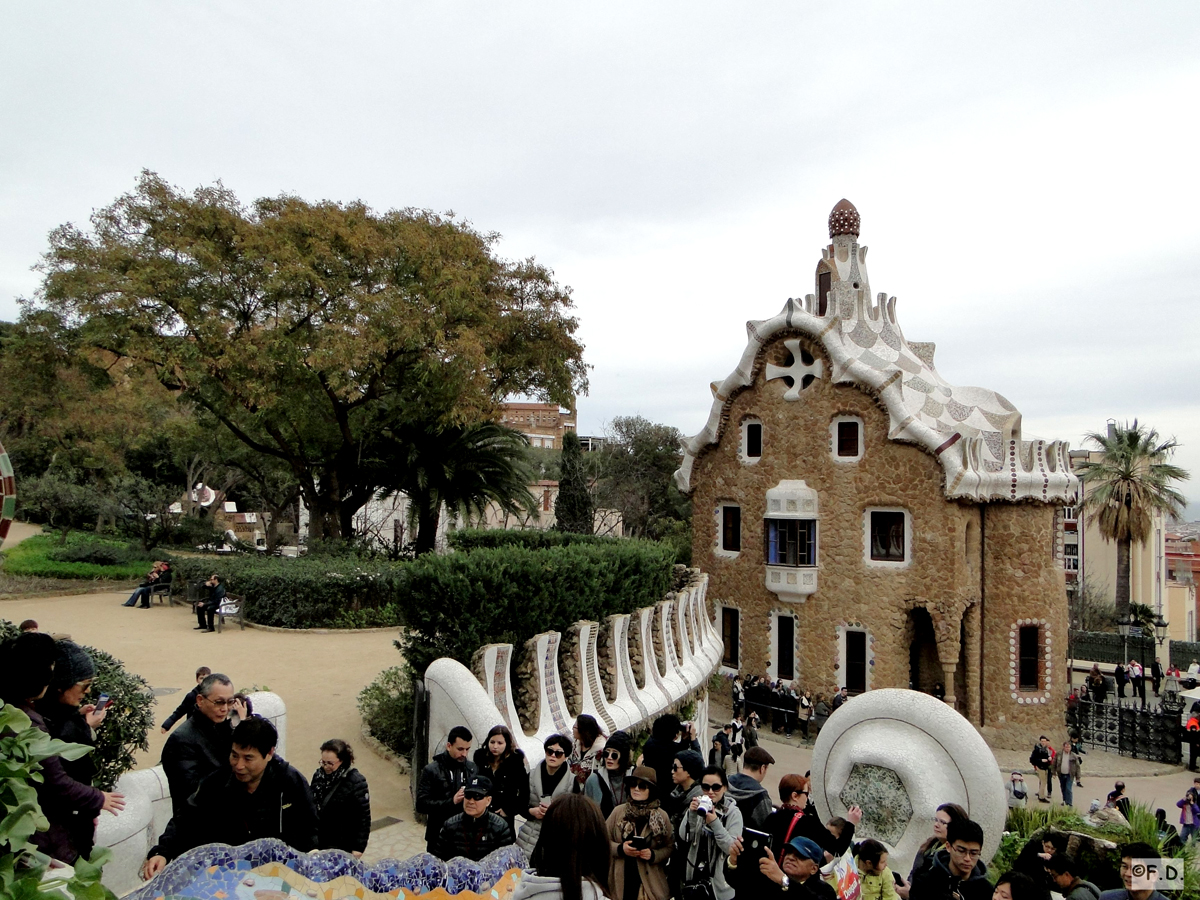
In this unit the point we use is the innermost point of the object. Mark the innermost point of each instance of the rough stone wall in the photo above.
(525, 688)
(1022, 582)
(637, 654)
(606, 657)
(570, 668)
(946, 562)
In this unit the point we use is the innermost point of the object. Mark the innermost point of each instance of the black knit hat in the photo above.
(692, 762)
(71, 665)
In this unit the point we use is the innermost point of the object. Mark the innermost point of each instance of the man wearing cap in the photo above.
(686, 772)
(798, 876)
(746, 787)
(476, 831)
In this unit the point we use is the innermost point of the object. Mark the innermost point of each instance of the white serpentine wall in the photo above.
(131, 834)
(457, 697)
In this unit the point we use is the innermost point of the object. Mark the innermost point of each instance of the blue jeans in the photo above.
(1068, 786)
(142, 594)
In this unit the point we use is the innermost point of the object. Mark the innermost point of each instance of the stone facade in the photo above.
(972, 563)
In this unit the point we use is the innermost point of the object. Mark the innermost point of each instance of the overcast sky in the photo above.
(1026, 172)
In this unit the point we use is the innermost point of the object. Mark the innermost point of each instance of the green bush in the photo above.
(469, 539)
(41, 554)
(130, 716)
(386, 705)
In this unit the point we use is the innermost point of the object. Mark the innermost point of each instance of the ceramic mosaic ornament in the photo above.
(271, 870)
(8, 493)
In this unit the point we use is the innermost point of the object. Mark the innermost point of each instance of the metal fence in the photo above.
(1151, 733)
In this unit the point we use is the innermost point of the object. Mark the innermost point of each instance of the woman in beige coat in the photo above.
(641, 839)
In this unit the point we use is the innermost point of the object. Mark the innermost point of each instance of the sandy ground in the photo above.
(17, 532)
(318, 676)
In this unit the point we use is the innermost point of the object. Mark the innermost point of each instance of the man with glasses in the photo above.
(476, 831)
(200, 746)
(686, 771)
(957, 873)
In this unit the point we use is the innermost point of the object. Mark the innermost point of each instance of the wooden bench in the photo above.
(163, 593)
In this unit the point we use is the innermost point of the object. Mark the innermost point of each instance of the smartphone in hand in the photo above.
(101, 703)
(757, 845)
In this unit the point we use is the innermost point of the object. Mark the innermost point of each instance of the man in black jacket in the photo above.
(440, 789)
(258, 796)
(200, 746)
(476, 831)
(747, 791)
(1040, 759)
(956, 873)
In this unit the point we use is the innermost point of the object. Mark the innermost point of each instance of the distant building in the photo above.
(865, 523)
(1183, 571)
(543, 424)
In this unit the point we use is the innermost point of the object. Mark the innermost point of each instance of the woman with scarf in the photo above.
(587, 750)
(798, 817)
(501, 761)
(548, 780)
(343, 800)
(607, 786)
(640, 838)
(709, 829)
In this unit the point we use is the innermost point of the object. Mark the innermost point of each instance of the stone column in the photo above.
(973, 618)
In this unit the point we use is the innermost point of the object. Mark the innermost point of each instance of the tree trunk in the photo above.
(1123, 579)
(427, 526)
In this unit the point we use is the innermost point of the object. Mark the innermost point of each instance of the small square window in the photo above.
(887, 536)
(847, 439)
(731, 528)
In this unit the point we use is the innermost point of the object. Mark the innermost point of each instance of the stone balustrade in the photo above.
(601, 669)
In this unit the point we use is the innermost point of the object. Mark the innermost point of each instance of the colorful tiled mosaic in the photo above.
(8, 493)
(271, 870)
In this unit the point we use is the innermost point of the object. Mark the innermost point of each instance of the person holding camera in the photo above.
(710, 829)
(641, 840)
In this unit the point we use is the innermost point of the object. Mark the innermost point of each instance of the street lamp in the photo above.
(1123, 626)
(1160, 629)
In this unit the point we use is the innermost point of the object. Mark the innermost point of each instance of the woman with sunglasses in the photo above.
(548, 780)
(503, 762)
(640, 838)
(710, 828)
(942, 817)
(606, 786)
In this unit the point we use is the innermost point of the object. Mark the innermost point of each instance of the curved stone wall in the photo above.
(673, 672)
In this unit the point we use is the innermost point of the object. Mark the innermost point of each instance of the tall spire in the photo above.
(844, 219)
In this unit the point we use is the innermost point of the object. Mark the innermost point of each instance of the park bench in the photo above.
(231, 608)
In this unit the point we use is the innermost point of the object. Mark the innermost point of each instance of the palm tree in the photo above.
(1125, 488)
(461, 467)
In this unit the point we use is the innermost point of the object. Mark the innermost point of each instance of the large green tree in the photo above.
(635, 468)
(1125, 486)
(308, 329)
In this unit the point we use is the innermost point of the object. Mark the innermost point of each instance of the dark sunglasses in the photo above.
(612, 754)
(642, 785)
(556, 753)
(710, 788)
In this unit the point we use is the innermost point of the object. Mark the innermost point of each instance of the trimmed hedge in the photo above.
(469, 539)
(450, 604)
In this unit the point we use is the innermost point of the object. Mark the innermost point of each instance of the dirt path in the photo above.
(319, 676)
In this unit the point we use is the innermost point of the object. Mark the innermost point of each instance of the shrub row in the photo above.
(469, 539)
(450, 604)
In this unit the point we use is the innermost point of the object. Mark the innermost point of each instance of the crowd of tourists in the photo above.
(227, 781)
(783, 705)
(596, 822)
